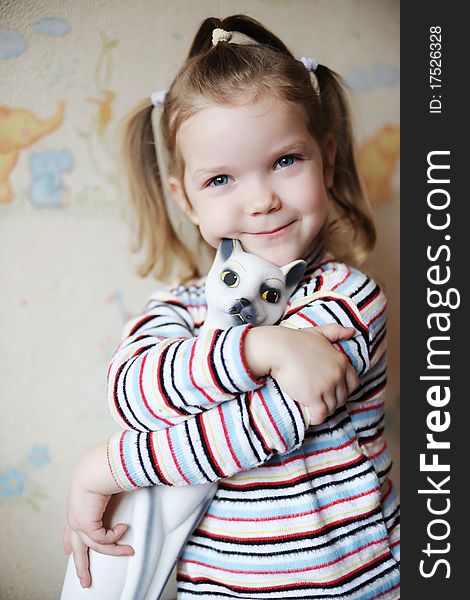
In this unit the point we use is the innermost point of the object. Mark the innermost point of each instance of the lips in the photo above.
(272, 231)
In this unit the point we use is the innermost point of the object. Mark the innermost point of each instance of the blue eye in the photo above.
(219, 180)
(286, 161)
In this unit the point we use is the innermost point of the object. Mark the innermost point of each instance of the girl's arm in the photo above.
(351, 298)
(212, 445)
(161, 373)
(255, 427)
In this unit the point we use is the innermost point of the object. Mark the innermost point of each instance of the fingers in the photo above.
(107, 536)
(341, 394)
(80, 559)
(330, 402)
(318, 412)
(110, 549)
(334, 332)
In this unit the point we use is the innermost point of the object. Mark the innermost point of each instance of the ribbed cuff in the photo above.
(116, 463)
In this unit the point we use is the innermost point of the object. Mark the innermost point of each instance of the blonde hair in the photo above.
(217, 74)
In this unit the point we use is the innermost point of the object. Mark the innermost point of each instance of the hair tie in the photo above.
(158, 98)
(220, 35)
(309, 63)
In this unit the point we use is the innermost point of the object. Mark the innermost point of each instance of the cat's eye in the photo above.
(271, 296)
(230, 278)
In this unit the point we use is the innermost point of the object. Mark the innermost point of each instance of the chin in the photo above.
(279, 256)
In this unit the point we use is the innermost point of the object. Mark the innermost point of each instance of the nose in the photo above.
(239, 305)
(263, 201)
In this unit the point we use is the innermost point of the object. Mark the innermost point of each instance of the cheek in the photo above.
(314, 202)
(216, 223)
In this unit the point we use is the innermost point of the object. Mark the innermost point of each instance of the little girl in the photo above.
(259, 149)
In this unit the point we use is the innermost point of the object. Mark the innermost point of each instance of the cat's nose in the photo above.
(244, 302)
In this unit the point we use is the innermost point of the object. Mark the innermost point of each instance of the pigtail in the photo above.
(352, 214)
(155, 232)
(254, 30)
(203, 38)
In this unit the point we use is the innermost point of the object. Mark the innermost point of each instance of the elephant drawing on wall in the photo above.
(19, 129)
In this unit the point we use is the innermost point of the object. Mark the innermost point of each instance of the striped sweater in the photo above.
(301, 512)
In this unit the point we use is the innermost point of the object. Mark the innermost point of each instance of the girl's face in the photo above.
(253, 172)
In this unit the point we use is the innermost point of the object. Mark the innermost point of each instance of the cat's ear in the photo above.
(228, 247)
(293, 273)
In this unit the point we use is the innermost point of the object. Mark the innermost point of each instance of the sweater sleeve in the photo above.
(161, 373)
(213, 444)
(341, 294)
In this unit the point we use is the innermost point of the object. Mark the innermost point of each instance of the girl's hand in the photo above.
(90, 490)
(305, 364)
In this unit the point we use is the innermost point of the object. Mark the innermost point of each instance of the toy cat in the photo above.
(240, 288)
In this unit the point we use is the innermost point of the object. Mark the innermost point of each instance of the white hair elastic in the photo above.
(220, 35)
(309, 63)
(158, 98)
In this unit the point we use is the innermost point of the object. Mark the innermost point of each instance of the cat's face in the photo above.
(242, 288)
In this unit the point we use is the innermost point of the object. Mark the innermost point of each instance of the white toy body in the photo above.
(240, 288)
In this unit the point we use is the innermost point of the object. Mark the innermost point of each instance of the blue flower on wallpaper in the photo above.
(46, 168)
(12, 43)
(38, 457)
(12, 482)
(366, 79)
(52, 26)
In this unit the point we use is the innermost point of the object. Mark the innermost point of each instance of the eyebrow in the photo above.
(296, 145)
(209, 171)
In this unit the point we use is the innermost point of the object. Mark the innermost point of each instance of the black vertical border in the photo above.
(421, 133)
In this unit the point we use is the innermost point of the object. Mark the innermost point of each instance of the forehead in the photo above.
(221, 130)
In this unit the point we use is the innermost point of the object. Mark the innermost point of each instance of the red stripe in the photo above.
(173, 456)
(288, 571)
(378, 315)
(372, 393)
(348, 273)
(241, 350)
(191, 375)
(372, 298)
(286, 461)
(155, 461)
(209, 365)
(266, 446)
(375, 454)
(123, 462)
(273, 423)
(355, 410)
(242, 486)
(340, 347)
(209, 450)
(308, 319)
(142, 392)
(294, 515)
(227, 437)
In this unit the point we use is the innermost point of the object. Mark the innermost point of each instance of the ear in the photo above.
(229, 247)
(329, 156)
(179, 194)
(293, 272)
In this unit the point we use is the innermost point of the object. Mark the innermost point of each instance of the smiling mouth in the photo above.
(272, 231)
